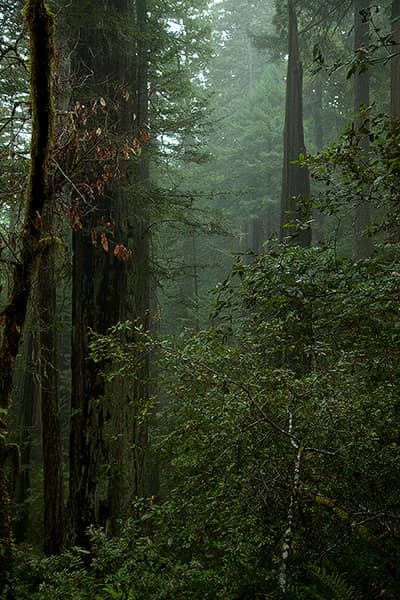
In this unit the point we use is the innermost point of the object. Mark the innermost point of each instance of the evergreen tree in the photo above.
(295, 179)
(110, 270)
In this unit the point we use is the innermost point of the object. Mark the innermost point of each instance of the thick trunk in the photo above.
(51, 434)
(108, 439)
(362, 246)
(99, 288)
(27, 428)
(295, 179)
(256, 234)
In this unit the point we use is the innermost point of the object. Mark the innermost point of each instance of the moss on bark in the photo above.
(41, 27)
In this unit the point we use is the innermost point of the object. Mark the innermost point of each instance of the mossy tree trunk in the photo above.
(40, 22)
(295, 179)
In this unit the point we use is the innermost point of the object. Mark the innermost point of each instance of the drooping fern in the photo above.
(325, 586)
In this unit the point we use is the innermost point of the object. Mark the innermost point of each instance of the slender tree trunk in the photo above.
(362, 245)
(394, 231)
(295, 179)
(395, 62)
(318, 131)
(41, 28)
(287, 541)
(189, 288)
(317, 115)
(250, 51)
(190, 291)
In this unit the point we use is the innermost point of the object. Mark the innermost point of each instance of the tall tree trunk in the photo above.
(41, 28)
(256, 226)
(395, 109)
(317, 114)
(362, 245)
(295, 208)
(190, 291)
(27, 394)
(250, 51)
(139, 277)
(108, 439)
(395, 62)
(295, 179)
(51, 433)
(318, 131)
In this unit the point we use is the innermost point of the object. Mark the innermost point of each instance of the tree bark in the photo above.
(108, 438)
(139, 288)
(362, 245)
(295, 179)
(394, 228)
(317, 114)
(27, 394)
(41, 28)
(395, 62)
(51, 433)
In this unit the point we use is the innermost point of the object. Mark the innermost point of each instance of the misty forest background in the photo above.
(199, 286)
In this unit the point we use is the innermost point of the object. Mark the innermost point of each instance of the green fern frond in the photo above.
(325, 586)
(336, 586)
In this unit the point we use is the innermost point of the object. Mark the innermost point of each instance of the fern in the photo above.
(326, 586)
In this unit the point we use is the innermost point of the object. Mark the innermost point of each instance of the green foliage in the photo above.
(323, 587)
(236, 397)
(346, 177)
(301, 356)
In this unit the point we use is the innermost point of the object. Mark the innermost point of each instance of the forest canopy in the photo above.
(199, 290)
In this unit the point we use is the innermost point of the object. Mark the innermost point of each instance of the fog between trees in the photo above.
(199, 252)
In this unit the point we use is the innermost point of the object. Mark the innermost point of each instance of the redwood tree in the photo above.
(51, 433)
(110, 264)
(295, 179)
